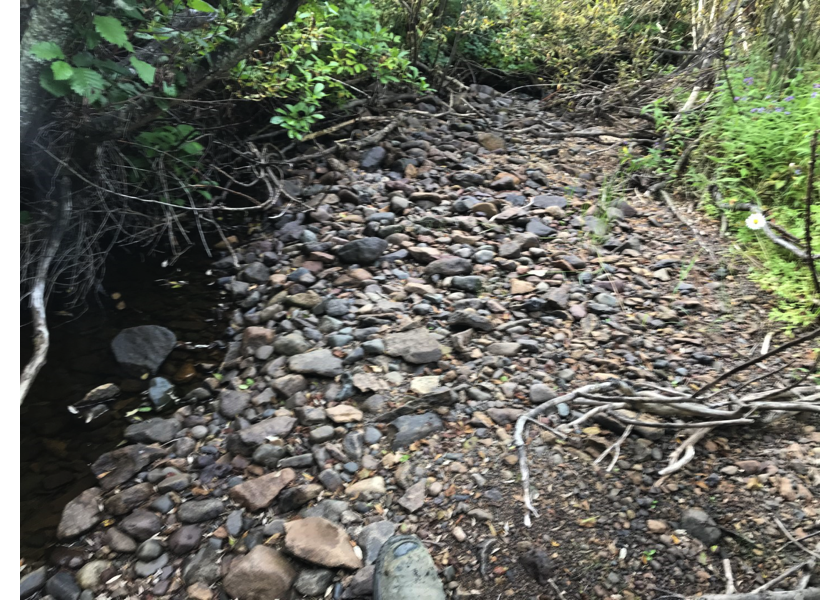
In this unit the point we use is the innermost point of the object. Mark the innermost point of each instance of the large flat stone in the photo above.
(322, 542)
(416, 346)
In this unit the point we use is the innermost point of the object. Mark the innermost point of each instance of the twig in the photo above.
(749, 363)
(776, 580)
(617, 447)
(810, 535)
(730, 581)
(793, 540)
(676, 463)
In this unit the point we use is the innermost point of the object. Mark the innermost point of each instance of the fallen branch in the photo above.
(37, 298)
(730, 580)
(757, 359)
(809, 594)
(617, 447)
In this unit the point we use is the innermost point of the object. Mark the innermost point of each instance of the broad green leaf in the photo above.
(46, 50)
(83, 59)
(129, 8)
(169, 90)
(56, 88)
(112, 31)
(192, 148)
(145, 71)
(87, 83)
(61, 70)
(200, 5)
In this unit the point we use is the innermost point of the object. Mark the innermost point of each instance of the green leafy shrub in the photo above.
(321, 58)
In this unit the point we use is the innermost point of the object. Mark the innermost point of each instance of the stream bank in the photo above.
(386, 338)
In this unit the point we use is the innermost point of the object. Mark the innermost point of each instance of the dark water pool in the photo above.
(57, 447)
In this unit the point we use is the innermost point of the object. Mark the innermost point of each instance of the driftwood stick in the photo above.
(38, 296)
(730, 580)
(676, 462)
(519, 441)
(617, 447)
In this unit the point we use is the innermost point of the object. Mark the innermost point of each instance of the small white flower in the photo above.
(756, 221)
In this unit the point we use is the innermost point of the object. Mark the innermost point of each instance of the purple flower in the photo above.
(749, 80)
(797, 172)
(752, 110)
(787, 112)
(767, 97)
(736, 98)
(816, 86)
(789, 98)
(815, 94)
(778, 109)
(761, 110)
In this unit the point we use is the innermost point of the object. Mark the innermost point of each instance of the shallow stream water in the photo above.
(58, 447)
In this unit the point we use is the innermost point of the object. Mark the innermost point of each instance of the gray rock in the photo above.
(449, 266)
(233, 402)
(267, 455)
(141, 524)
(293, 498)
(539, 228)
(313, 582)
(354, 444)
(557, 298)
(141, 350)
(540, 393)
(373, 158)
(62, 586)
(202, 567)
(161, 393)
(148, 568)
(700, 526)
(410, 428)
(116, 467)
(361, 586)
(331, 480)
(256, 272)
(185, 539)
(154, 430)
(470, 318)
(292, 344)
(415, 346)
(149, 550)
(544, 201)
(327, 509)
(504, 348)
(317, 362)
(32, 582)
(197, 511)
(365, 251)
(372, 537)
(414, 496)
(80, 515)
(471, 283)
(118, 541)
(245, 440)
(322, 434)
